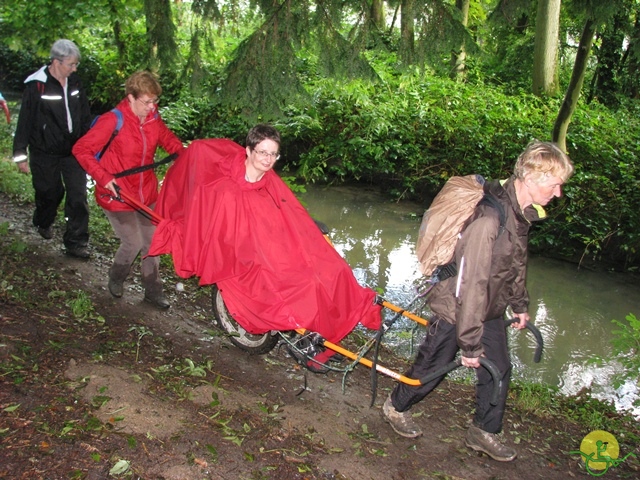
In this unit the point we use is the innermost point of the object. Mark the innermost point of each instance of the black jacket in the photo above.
(42, 124)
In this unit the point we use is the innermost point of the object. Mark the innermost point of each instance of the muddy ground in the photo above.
(93, 387)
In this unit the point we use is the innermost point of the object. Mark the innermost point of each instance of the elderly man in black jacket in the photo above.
(54, 114)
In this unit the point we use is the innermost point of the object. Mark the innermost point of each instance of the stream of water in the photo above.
(573, 308)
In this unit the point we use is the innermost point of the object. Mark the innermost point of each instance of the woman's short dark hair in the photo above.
(261, 132)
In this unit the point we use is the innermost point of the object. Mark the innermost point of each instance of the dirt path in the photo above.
(164, 396)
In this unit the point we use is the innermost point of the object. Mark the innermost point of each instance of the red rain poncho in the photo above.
(275, 269)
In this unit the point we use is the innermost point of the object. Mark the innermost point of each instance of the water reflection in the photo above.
(572, 308)
(375, 236)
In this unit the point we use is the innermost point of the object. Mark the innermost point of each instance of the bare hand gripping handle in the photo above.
(536, 333)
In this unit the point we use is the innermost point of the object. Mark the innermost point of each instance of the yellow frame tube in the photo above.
(404, 313)
(365, 361)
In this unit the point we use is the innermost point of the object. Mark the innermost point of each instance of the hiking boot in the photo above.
(401, 422)
(116, 288)
(157, 299)
(78, 252)
(117, 275)
(46, 233)
(481, 441)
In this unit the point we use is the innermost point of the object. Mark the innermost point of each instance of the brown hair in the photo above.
(261, 132)
(142, 82)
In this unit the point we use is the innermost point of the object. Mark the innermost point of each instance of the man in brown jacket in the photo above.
(469, 308)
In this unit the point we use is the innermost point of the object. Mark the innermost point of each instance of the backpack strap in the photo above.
(489, 199)
(451, 269)
(443, 272)
(130, 171)
(144, 168)
(119, 123)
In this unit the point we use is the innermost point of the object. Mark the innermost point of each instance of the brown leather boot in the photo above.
(117, 275)
(401, 422)
(489, 443)
(158, 299)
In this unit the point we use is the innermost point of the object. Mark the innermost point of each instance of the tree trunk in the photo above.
(545, 56)
(395, 16)
(377, 14)
(630, 79)
(606, 85)
(575, 85)
(407, 35)
(162, 46)
(117, 30)
(458, 59)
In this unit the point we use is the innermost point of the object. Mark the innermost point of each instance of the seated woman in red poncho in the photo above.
(229, 219)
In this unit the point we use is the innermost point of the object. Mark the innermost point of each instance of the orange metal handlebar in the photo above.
(365, 361)
(405, 313)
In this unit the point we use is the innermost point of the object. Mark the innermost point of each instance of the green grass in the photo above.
(586, 411)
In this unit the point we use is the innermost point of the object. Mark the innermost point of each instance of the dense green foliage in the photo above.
(412, 135)
(349, 106)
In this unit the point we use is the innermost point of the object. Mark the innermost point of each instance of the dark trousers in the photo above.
(55, 178)
(439, 348)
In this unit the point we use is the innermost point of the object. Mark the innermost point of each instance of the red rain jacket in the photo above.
(275, 269)
(134, 146)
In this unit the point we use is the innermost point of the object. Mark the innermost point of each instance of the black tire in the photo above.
(253, 344)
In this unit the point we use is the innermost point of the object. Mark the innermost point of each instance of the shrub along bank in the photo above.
(409, 134)
(412, 136)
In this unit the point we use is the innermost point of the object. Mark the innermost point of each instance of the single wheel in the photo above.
(253, 344)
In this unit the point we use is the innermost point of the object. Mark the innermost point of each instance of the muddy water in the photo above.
(572, 308)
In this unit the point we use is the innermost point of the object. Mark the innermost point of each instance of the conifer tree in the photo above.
(161, 43)
(264, 75)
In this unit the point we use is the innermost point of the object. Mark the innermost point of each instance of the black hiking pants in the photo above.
(438, 349)
(55, 179)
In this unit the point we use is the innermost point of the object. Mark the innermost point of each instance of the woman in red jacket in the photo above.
(142, 131)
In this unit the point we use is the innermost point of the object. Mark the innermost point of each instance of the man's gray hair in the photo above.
(64, 48)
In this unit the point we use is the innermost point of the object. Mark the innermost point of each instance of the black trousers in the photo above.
(439, 348)
(55, 178)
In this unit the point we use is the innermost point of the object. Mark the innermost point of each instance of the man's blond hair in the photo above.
(543, 159)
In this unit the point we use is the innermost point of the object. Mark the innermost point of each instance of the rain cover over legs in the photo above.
(275, 269)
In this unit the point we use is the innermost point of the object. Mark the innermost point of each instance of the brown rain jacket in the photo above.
(492, 267)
